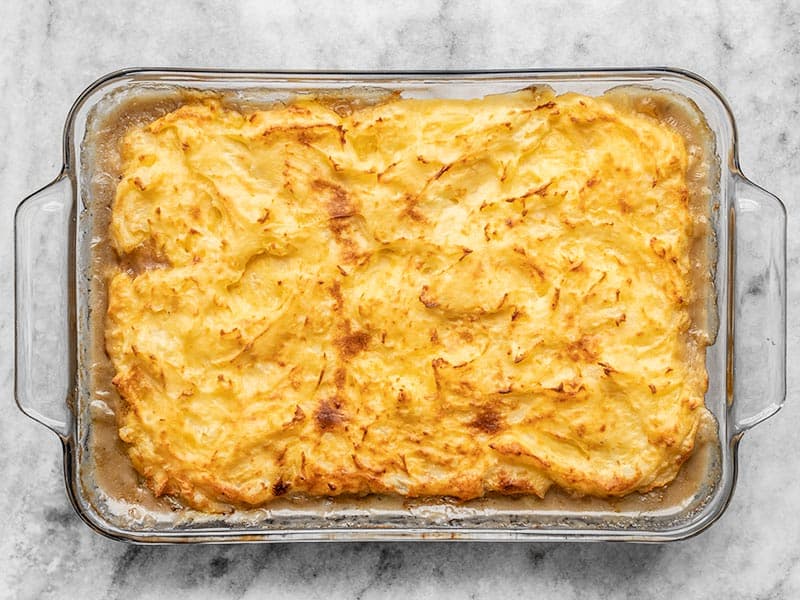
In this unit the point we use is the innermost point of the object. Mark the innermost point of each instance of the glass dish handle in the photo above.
(43, 224)
(759, 288)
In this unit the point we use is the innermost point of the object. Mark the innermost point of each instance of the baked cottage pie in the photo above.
(412, 297)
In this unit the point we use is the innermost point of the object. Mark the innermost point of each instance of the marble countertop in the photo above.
(51, 50)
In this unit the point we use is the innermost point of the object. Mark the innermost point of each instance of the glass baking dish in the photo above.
(746, 364)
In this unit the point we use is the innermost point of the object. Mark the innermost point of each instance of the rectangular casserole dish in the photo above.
(746, 364)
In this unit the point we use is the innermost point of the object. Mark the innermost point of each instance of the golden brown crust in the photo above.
(423, 297)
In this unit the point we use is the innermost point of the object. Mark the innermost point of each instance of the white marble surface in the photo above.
(49, 51)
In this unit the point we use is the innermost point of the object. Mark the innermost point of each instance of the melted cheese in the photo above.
(420, 297)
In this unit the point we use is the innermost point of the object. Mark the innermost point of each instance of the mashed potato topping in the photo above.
(417, 297)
